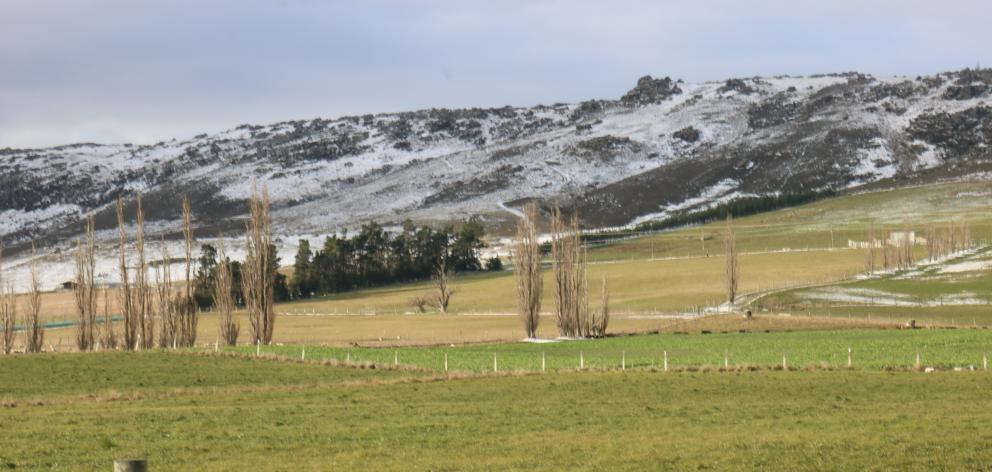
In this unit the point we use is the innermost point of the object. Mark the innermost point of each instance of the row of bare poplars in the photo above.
(573, 316)
(34, 328)
(897, 252)
(140, 304)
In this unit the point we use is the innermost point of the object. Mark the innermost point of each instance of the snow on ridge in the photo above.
(721, 192)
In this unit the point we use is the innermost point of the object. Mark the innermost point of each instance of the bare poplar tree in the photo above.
(223, 299)
(34, 333)
(258, 280)
(561, 265)
(870, 251)
(8, 317)
(165, 301)
(188, 313)
(527, 270)
(131, 328)
(85, 289)
(905, 248)
(8, 311)
(733, 268)
(109, 338)
(569, 267)
(602, 319)
(443, 273)
(142, 291)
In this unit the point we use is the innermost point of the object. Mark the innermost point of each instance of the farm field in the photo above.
(872, 349)
(658, 274)
(632, 420)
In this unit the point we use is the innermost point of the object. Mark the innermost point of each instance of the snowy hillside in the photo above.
(664, 146)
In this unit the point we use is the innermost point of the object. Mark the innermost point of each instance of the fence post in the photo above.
(785, 363)
(848, 357)
(582, 361)
(985, 361)
(916, 364)
(623, 360)
(445, 361)
(303, 353)
(258, 348)
(130, 465)
(726, 360)
(396, 357)
(666, 361)
(495, 365)
(348, 357)
(542, 361)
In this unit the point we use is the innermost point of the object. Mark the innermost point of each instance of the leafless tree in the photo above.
(131, 325)
(34, 333)
(223, 300)
(166, 301)
(527, 269)
(8, 317)
(733, 268)
(109, 338)
(571, 285)
(188, 313)
(870, 251)
(257, 279)
(85, 289)
(8, 310)
(142, 291)
(602, 319)
(443, 273)
(420, 303)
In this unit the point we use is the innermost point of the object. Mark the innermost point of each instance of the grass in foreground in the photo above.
(566, 421)
(48, 376)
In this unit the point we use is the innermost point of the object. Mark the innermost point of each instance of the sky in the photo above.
(142, 71)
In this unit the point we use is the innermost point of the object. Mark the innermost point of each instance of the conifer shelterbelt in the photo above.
(527, 270)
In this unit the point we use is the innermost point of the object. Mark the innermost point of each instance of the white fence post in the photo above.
(495, 365)
(666, 361)
(542, 361)
(446, 362)
(848, 357)
(582, 361)
(623, 360)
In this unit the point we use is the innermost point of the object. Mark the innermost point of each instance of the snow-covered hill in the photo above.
(664, 146)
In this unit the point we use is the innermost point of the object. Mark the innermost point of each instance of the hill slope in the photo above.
(663, 146)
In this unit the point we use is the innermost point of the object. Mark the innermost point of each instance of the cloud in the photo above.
(119, 70)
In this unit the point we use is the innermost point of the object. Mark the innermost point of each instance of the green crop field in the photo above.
(872, 349)
(270, 415)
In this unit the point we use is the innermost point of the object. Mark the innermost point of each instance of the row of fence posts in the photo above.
(917, 362)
